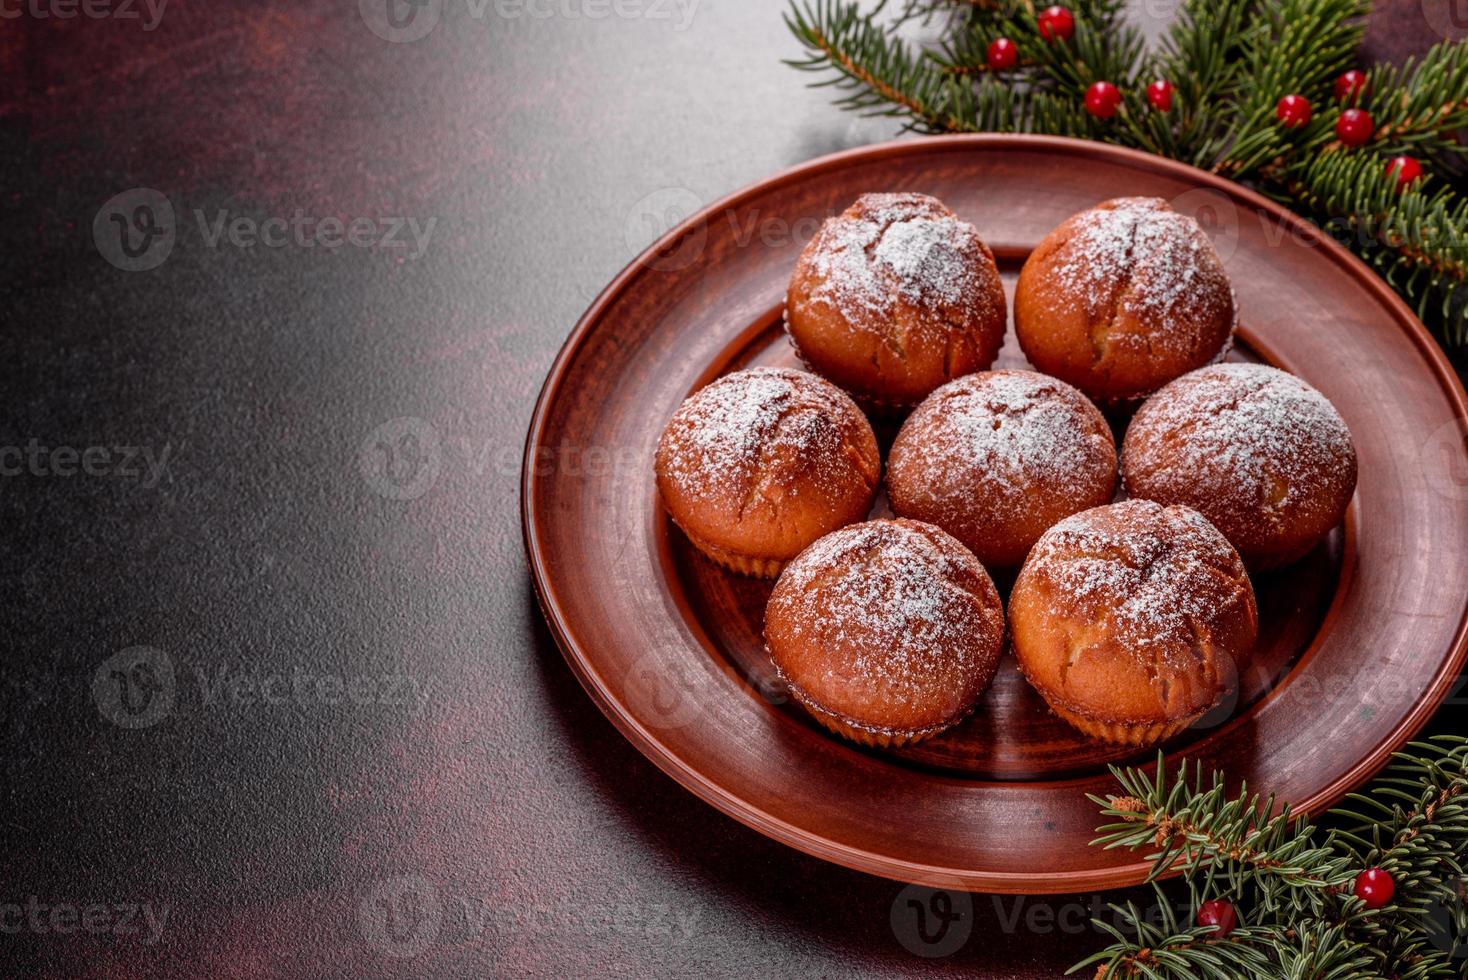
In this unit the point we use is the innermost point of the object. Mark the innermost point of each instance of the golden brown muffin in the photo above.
(1133, 619)
(887, 631)
(996, 458)
(1122, 298)
(762, 462)
(1258, 452)
(894, 297)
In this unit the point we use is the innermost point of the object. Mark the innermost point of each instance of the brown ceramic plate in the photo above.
(1359, 642)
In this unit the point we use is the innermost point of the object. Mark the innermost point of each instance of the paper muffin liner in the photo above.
(739, 564)
(1124, 733)
(882, 738)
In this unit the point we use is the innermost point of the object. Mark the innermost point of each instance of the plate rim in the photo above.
(848, 855)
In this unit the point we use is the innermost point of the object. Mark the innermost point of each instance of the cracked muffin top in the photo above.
(1264, 456)
(894, 297)
(1123, 298)
(760, 463)
(887, 631)
(1132, 617)
(996, 458)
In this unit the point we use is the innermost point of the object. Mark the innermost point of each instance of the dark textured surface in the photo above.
(366, 712)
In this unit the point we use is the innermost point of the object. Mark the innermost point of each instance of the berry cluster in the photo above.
(1374, 887)
(1354, 127)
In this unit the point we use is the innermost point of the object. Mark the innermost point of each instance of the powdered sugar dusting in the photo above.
(732, 433)
(1009, 431)
(910, 246)
(1273, 440)
(897, 607)
(1138, 252)
(1153, 574)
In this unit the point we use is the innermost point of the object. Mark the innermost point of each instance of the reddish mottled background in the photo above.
(500, 806)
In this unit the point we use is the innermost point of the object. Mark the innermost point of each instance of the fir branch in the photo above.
(879, 69)
(1202, 56)
(1290, 880)
(1230, 61)
(1421, 106)
(1416, 240)
(1299, 47)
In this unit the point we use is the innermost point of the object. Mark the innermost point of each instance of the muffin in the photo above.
(1258, 452)
(894, 297)
(1133, 620)
(887, 631)
(1121, 299)
(761, 463)
(996, 458)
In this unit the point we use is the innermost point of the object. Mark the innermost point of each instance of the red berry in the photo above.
(1351, 86)
(1102, 100)
(1159, 93)
(1003, 54)
(1218, 913)
(1375, 887)
(1056, 23)
(1355, 127)
(1293, 110)
(1406, 169)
